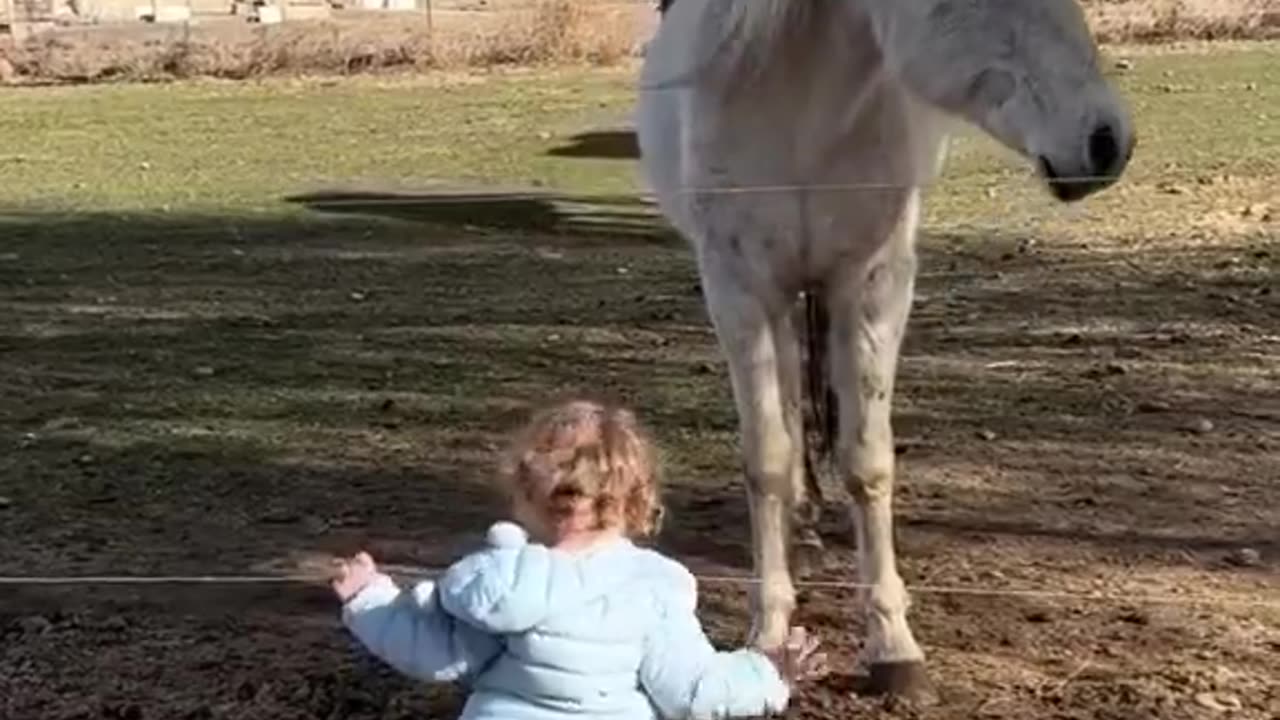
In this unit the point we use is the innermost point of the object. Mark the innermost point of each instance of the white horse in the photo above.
(757, 120)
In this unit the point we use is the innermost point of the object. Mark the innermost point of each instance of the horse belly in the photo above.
(847, 226)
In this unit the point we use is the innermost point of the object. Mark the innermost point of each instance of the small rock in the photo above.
(1124, 64)
(624, 271)
(1038, 616)
(144, 165)
(202, 371)
(1200, 426)
(1135, 617)
(358, 296)
(1218, 703)
(35, 625)
(280, 516)
(987, 435)
(1257, 211)
(1245, 557)
(1171, 189)
(5, 503)
(315, 526)
(115, 623)
(1115, 368)
(544, 135)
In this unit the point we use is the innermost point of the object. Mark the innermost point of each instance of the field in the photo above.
(215, 358)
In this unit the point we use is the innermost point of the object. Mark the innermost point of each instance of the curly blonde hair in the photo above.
(584, 452)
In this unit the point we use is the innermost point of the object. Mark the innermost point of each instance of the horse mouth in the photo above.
(1069, 188)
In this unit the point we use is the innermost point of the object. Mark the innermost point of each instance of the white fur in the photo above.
(803, 97)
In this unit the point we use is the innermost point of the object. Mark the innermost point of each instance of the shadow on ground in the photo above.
(523, 210)
(601, 145)
(319, 351)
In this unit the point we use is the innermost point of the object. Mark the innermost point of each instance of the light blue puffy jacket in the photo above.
(543, 634)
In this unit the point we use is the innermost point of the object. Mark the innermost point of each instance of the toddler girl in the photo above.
(576, 620)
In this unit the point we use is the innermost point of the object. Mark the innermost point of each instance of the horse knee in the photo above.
(867, 486)
(769, 468)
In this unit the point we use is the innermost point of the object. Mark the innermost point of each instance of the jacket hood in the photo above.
(515, 585)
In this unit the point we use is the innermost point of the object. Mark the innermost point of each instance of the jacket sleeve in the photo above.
(687, 679)
(412, 633)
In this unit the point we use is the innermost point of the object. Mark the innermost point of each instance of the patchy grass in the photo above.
(198, 375)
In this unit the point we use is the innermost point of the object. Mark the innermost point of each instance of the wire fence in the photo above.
(424, 573)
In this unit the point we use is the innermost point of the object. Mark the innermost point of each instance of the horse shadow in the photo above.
(620, 217)
(600, 144)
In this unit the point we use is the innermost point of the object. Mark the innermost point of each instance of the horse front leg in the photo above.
(745, 328)
(869, 309)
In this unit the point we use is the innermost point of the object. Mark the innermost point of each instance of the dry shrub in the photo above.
(1167, 20)
(547, 32)
(242, 52)
(550, 32)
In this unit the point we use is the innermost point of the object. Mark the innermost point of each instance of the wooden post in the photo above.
(431, 25)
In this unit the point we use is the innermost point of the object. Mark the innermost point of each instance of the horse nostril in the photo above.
(1104, 151)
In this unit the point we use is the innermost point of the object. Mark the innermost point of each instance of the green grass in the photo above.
(232, 148)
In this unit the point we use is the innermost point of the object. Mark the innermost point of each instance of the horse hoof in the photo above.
(907, 680)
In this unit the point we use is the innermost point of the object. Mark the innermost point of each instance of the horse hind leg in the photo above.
(798, 371)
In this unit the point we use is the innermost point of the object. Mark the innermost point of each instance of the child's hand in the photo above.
(351, 576)
(798, 659)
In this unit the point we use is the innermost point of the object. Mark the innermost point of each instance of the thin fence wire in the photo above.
(312, 578)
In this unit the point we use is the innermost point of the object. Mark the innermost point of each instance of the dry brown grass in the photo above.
(530, 32)
(1126, 21)
(545, 32)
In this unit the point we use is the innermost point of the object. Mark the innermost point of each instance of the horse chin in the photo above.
(1070, 189)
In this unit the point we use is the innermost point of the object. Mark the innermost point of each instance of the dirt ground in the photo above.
(1064, 460)
(1089, 405)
